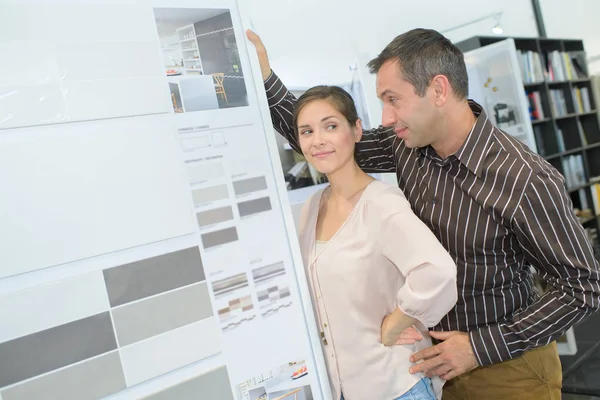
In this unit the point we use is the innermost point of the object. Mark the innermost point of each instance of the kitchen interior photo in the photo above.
(201, 59)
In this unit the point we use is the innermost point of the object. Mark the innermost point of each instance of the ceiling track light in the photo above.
(496, 29)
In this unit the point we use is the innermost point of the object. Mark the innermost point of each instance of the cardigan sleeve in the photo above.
(429, 291)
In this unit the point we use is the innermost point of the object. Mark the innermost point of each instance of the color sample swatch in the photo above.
(254, 206)
(116, 328)
(209, 194)
(214, 216)
(219, 238)
(249, 185)
(268, 272)
(211, 385)
(273, 290)
(233, 301)
(200, 172)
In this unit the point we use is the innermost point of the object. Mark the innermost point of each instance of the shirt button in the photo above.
(325, 325)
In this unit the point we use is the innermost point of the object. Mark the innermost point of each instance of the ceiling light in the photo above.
(498, 30)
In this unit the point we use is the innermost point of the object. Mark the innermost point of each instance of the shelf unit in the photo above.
(189, 50)
(564, 115)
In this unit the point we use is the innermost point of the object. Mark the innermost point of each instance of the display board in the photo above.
(495, 83)
(146, 240)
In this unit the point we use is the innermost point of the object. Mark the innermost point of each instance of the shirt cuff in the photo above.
(276, 91)
(489, 345)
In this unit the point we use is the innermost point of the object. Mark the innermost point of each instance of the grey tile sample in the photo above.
(230, 284)
(268, 272)
(156, 315)
(91, 379)
(212, 385)
(140, 279)
(57, 347)
(254, 206)
(213, 193)
(215, 216)
(249, 185)
(217, 238)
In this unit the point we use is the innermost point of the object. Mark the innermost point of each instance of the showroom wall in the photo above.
(328, 33)
(295, 32)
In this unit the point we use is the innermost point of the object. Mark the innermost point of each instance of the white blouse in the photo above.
(381, 258)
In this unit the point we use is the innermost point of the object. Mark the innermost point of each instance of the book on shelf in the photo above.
(581, 100)
(531, 67)
(553, 66)
(595, 188)
(565, 66)
(560, 140)
(582, 134)
(536, 111)
(558, 102)
(574, 171)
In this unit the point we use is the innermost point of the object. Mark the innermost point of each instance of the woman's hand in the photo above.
(410, 335)
(261, 51)
(391, 337)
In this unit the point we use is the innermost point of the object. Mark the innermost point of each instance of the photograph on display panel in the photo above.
(201, 59)
(290, 381)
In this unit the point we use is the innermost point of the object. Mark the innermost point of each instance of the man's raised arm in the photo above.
(375, 148)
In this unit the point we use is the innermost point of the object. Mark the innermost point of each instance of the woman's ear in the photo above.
(358, 131)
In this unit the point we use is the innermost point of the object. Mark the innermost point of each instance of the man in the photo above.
(497, 208)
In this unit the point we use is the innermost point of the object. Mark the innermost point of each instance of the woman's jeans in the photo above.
(421, 391)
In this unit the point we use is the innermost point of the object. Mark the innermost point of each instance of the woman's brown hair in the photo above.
(335, 95)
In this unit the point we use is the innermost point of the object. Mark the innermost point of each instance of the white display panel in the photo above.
(495, 82)
(144, 215)
(60, 63)
(79, 190)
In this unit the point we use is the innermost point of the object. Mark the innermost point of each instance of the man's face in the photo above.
(412, 117)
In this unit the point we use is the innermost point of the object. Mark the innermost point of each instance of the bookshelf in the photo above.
(563, 115)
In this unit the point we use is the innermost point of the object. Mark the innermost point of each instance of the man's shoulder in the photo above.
(518, 154)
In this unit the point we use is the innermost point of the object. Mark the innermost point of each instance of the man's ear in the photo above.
(441, 89)
(358, 131)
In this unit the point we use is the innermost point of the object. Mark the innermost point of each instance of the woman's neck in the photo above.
(348, 181)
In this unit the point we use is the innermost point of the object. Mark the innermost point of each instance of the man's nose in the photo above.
(388, 118)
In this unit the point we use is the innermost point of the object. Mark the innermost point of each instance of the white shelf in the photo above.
(191, 62)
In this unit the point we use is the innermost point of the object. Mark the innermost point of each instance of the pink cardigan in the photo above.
(383, 256)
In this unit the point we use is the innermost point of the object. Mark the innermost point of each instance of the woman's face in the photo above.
(326, 138)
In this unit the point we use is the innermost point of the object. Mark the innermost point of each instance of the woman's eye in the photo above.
(331, 127)
(305, 132)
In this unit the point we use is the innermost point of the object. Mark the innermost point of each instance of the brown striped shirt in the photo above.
(499, 209)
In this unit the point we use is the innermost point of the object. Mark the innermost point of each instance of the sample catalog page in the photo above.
(148, 250)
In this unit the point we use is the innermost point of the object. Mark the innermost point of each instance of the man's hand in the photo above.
(449, 359)
(261, 51)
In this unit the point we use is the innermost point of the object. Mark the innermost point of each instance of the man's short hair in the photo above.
(423, 54)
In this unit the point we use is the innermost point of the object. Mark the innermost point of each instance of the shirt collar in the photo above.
(475, 148)
(473, 151)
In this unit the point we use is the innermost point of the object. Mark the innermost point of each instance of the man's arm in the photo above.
(374, 151)
(555, 243)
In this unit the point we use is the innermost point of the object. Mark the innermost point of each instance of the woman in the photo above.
(374, 268)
